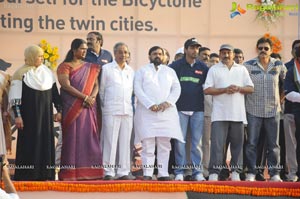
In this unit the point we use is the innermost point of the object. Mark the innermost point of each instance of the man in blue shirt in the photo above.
(191, 74)
(95, 53)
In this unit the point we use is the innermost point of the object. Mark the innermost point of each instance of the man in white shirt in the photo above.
(227, 82)
(9, 191)
(156, 119)
(116, 88)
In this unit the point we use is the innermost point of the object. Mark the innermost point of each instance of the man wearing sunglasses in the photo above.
(263, 108)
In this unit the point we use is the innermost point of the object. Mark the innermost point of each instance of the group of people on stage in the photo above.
(196, 107)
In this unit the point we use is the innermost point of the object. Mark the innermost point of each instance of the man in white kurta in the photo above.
(116, 88)
(156, 120)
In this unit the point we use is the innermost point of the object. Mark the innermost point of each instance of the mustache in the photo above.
(262, 53)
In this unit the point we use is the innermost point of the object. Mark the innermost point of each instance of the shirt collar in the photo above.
(233, 65)
(93, 52)
(116, 65)
(271, 63)
(153, 67)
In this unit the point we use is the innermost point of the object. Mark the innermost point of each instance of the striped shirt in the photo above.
(265, 100)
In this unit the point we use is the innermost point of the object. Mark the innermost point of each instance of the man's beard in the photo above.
(157, 61)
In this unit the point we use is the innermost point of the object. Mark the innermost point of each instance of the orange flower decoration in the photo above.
(292, 190)
(277, 47)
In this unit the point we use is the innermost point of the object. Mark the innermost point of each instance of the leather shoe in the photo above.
(260, 177)
(188, 178)
(243, 176)
(224, 174)
(147, 178)
(127, 177)
(165, 178)
(108, 177)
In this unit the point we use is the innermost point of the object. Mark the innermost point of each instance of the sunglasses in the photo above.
(265, 48)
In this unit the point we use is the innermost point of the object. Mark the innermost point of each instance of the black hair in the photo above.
(297, 52)
(154, 48)
(98, 35)
(213, 55)
(295, 43)
(76, 43)
(264, 40)
(203, 49)
(237, 51)
(276, 56)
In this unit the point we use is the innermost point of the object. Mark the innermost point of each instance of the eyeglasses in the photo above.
(265, 48)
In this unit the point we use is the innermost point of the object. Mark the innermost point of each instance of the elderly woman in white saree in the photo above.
(33, 90)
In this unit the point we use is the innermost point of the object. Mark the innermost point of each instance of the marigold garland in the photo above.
(156, 187)
(277, 47)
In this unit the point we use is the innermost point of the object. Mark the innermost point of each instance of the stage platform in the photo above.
(156, 189)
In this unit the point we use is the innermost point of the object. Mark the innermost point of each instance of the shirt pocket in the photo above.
(257, 76)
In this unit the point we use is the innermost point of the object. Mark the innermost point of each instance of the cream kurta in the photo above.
(154, 87)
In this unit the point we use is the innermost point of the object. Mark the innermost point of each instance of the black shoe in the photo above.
(260, 177)
(127, 177)
(147, 178)
(224, 175)
(283, 177)
(188, 178)
(166, 178)
(243, 176)
(108, 177)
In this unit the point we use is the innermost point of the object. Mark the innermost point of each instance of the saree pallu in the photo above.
(81, 157)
